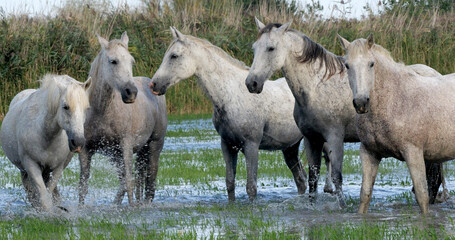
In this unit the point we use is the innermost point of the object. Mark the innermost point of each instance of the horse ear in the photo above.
(176, 34)
(285, 27)
(259, 24)
(344, 43)
(103, 42)
(370, 41)
(87, 83)
(125, 38)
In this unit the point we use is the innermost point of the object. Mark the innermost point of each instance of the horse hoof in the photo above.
(328, 190)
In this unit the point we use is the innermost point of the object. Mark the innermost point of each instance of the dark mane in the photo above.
(269, 28)
(313, 51)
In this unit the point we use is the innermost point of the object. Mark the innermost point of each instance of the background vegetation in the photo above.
(415, 31)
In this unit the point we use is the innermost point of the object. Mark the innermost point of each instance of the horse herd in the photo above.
(393, 110)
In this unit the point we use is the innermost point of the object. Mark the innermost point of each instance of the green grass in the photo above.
(384, 230)
(200, 220)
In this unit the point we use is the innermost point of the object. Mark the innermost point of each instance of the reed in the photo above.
(66, 43)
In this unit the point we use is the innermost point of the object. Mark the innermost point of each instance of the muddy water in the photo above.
(277, 198)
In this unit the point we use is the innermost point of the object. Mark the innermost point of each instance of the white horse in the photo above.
(124, 118)
(401, 114)
(40, 132)
(244, 121)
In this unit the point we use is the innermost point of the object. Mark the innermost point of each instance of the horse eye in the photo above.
(174, 56)
(113, 61)
(270, 49)
(347, 66)
(371, 64)
(66, 107)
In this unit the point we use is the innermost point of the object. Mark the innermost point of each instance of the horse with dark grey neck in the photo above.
(244, 121)
(323, 99)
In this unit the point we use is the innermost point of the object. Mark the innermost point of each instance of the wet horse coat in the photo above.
(40, 132)
(401, 114)
(318, 80)
(124, 118)
(244, 121)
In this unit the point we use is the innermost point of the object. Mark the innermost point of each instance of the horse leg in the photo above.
(128, 164)
(155, 148)
(85, 159)
(335, 148)
(291, 156)
(51, 182)
(370, 165)
(35, 173)
(251, 149)
(230, 155)
(416, 165)
(30, 189)
(313, 149)
(47, 180)
(328, 178)
(140, 170)
(119, 165)
(434, 179)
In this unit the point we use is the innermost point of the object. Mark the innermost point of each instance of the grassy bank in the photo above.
(66, 43)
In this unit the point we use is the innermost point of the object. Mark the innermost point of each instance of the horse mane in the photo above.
(94, 67)
(312, 51)
(220, 52)
(57, 86)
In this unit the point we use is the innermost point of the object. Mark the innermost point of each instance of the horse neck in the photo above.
(101, 93)
(305, 78)
(220, 79)
(387, 84)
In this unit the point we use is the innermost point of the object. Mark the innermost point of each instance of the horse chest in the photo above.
(377, 136)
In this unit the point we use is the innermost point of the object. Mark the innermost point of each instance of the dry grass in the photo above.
(66, 43)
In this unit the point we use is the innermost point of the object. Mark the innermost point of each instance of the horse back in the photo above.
(157, 106)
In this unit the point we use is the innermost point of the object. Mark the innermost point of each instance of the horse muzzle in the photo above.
(253, 85)
(361, 104)
(129, 94)
(76, 143)
(157, 90)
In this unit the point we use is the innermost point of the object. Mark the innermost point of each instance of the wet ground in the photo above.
(202, 207)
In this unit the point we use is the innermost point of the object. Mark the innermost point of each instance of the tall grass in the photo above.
(66, 43)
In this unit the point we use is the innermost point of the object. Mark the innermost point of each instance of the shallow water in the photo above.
(277, 197)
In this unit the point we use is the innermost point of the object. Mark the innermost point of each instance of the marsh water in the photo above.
(200, 206)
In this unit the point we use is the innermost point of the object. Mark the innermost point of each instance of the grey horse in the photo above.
(401, 114)
(124, 118)
(40, 133)
(318, 80)
(244, 121)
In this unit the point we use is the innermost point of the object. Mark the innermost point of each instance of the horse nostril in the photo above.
(255, 84)
(368, 99)
(73, 142)
(128, 92)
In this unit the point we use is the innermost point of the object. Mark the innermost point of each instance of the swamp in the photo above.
(191, 199)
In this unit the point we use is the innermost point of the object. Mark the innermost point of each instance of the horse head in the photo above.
(115, 65)
(178, 63)
(360, 66)
(270, 51)
(68, 100)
